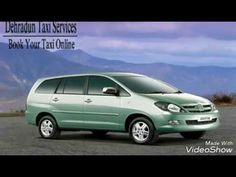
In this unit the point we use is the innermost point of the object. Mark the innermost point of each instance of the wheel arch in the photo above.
(42, 114)
(131, 117)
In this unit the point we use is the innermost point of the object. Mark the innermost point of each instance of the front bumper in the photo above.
(186, 122)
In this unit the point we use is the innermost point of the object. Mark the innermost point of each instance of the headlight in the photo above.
(173, 108)
(169, 107)
(213, 107)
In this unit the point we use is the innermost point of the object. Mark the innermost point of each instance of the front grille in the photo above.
(195, 122)
(198, 108)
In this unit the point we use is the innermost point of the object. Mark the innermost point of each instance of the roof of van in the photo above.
(111, 74)
(119, 74)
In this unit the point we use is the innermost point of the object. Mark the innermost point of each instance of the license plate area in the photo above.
(203, 119)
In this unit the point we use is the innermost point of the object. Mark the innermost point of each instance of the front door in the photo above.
(101, 111)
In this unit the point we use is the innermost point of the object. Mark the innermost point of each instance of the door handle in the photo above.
(55, 99)
(88, 101)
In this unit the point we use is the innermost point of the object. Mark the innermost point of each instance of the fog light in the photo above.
(173, 122)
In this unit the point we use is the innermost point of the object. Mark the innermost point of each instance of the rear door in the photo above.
(68, 102)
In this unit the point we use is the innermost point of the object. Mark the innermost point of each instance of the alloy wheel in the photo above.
(140, 131)
(46, 127)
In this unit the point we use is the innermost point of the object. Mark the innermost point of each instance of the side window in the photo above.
(97, 83)
(74, 85)
(60, 88)
(48, 86)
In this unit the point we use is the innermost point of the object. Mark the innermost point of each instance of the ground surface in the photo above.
(19, 138)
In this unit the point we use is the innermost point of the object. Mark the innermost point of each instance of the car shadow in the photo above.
(124, 138)
(167, 141)
(113, 138)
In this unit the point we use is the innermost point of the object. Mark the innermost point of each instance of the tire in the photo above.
(99, 132)
(48, 128)
(142, 131)
(192, 135)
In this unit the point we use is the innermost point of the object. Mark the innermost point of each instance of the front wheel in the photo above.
(48, 128)
(192, 135)
(142, 131)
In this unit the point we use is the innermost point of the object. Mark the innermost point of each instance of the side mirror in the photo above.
(109, 90)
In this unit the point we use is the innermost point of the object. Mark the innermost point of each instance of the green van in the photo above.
(125, 102)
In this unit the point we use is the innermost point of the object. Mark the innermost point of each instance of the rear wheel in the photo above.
(192, 135)
(142, 131)
(99, 132)
(48, 128)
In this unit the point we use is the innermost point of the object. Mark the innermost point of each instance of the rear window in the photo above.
(48, 86)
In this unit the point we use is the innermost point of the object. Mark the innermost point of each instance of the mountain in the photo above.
(79, 56)
(20, 68)
(28, 65)
(198, 80)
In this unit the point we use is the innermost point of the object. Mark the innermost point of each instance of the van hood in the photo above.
(177, 98)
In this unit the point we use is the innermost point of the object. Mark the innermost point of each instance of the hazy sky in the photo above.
(186, 43)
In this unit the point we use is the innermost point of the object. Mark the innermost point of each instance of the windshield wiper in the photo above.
(156, 92)
(178, 91)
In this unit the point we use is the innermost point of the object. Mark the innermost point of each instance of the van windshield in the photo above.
(146, 85)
